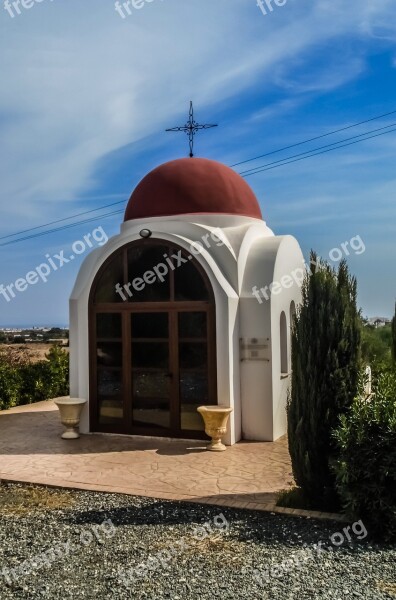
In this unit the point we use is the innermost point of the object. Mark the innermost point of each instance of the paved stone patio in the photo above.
(247, 475)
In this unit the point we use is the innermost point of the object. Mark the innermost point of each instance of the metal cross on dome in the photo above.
(191, 128)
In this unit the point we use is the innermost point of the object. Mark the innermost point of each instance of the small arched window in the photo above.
(150, 271)
(283, 344)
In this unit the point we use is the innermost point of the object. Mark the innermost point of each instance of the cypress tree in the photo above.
(325, 377)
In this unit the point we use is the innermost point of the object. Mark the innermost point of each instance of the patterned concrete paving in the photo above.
(247, 475)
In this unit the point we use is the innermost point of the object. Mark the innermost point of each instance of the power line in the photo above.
(308, 152)
(246, 173)
(315, 138)
(34, 235)
(59, 220)
(268, 168)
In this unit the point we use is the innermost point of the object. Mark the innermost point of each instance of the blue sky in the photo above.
(86, 96)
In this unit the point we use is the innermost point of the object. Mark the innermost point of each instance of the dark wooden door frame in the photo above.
(173, 308)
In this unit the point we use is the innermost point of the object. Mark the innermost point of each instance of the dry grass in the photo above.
(215, 545)
(223, 546)
(22, 500)
(22, 354)
(388, 588)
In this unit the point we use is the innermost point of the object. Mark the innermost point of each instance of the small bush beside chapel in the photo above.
(24, 382)
(366, 464)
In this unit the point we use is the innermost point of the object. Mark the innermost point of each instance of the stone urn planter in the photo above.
(215, 419)
(70, 412)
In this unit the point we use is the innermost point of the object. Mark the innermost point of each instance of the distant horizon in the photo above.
(67, 326)
(31, 326)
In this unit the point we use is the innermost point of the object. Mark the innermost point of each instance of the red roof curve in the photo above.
(192, 185)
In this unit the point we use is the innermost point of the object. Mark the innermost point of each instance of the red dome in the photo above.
(192, 185)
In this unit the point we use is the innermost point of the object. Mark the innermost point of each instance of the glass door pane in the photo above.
(109, 369)
(110, 400)
(193, 368)
(151, 380)
(147, 282)
(110, 276)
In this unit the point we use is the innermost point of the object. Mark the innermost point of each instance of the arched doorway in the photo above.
(152, 342)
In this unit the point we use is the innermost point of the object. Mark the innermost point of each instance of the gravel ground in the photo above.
(94, 545)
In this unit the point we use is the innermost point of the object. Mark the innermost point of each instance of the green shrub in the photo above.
(10, 384)
(46, 379)
(325, 374)
(366, 466)
(376, 345)
(35, 384)
(26, 382)
(293, 498)
(58, 372)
